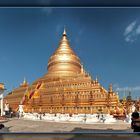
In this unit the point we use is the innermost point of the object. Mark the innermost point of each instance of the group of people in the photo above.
(135, 123)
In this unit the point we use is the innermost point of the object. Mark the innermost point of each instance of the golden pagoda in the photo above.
(66, 88)
(14, 97)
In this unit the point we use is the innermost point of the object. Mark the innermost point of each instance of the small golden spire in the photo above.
(24, 82)
(82, 68)
(110, 88)
(64, 33)
(96, 80)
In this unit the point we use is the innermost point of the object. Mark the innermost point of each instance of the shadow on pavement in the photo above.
(75, 134)
(78, 129)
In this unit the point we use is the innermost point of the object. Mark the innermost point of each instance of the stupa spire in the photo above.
(24, 81)
(82, 68)
(64, 33)
(96, 79)
(110, 88)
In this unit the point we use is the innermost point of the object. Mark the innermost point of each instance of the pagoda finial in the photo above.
(24, 82)
(96, 79)
(110, 88)
(82, 68)
(64, 33)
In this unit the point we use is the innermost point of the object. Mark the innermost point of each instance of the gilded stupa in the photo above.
(66, 88)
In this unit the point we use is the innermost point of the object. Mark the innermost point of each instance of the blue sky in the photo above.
(107, 40)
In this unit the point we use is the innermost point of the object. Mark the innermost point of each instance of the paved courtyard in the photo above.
(20, 125)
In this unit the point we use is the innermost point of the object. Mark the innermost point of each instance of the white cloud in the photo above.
(137, 88)
(130, 28)
(132, 32)
(116, 85)
(130, 38)
(124, 91)
(127, 39)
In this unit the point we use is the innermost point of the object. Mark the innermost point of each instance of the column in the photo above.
(1, 101)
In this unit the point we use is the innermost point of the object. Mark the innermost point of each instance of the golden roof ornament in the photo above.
(24, 83)
(64, 33)
(96, 80)
(82, 69)
(110, 90)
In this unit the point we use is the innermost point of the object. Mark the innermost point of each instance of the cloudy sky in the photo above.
(107, 40)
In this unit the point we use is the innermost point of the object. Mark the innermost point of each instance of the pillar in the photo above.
(1, 104)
